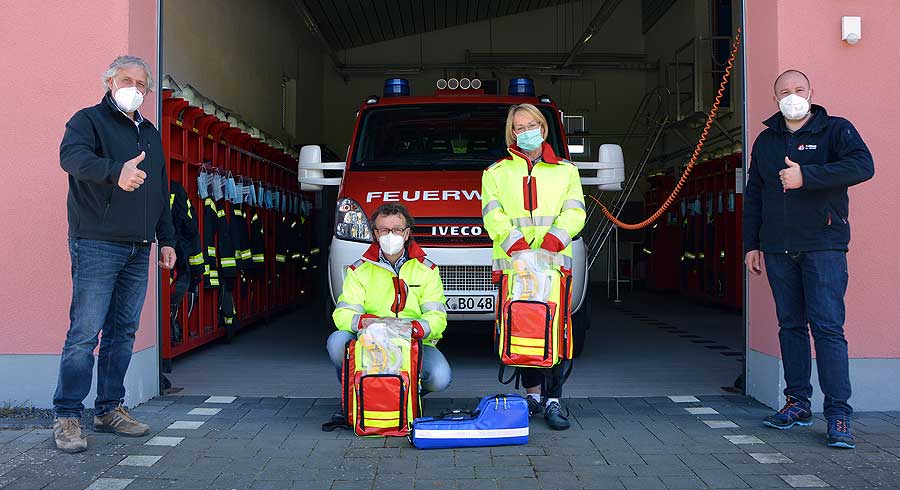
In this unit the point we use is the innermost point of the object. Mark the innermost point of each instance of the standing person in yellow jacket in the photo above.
(394, 279)
(533, 199)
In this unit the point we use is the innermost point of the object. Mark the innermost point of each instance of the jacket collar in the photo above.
(547, 153)
(816, 123)
(111, 105)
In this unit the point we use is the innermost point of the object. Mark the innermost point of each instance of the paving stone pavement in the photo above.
(614, 443)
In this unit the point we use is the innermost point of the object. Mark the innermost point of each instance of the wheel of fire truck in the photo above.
(581, 322)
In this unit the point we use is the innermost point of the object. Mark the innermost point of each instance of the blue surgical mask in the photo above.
(203, 185)
(251, 194)
(530, 140)
(229, 189)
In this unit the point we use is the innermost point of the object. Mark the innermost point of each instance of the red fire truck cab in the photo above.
(428, 153)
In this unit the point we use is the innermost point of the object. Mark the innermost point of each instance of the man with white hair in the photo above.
(117, 207)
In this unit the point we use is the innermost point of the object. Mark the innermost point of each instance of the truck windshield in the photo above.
(438, 137)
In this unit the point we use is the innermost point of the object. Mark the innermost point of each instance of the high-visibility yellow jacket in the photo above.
(372, 287)
(527, 205)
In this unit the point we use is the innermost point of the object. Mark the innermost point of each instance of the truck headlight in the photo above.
(351, 222)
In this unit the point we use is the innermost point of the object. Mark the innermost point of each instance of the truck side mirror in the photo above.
(610, 169)
(311, 169)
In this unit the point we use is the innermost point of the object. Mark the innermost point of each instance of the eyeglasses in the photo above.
(531, 126)
(385, 231)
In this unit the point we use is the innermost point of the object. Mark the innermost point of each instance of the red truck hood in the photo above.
(426, 194)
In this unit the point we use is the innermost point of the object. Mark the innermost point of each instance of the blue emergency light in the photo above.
(395, 87)
(521, 86)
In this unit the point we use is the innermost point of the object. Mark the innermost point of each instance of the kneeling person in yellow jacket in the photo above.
(394, 279)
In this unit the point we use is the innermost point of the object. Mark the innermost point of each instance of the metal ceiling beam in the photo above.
(310, 22)
(605, 12)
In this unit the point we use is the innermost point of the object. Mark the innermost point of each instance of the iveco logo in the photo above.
(456, 231)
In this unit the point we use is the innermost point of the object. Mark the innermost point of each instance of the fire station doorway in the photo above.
(245, 87)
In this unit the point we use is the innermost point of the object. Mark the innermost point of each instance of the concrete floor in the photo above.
(648, 345)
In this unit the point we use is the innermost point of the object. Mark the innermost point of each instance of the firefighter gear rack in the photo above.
(272, 278)
(695, 248)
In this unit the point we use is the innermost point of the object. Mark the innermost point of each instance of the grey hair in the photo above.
(123, 61)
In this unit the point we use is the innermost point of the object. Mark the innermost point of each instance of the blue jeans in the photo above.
(436, 374)
(109, 283)
(809, 289)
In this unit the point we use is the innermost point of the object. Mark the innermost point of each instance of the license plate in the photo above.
(475, 303)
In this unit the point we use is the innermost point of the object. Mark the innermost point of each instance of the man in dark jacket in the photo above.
(796, 214)
(118, 205)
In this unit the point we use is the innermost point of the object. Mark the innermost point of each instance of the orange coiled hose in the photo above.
(687, 171)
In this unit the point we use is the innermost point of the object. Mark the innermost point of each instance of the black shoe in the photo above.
(839, 433)
(555, 419)
(338, 421)
(792, 413)
(534, 406)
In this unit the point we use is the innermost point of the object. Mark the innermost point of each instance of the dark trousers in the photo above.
(179, 288)
(109, 284)
(549, 379)
(809, 292)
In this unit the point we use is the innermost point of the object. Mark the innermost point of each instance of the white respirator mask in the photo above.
(391, 244)
(128, 99)
(794, 107)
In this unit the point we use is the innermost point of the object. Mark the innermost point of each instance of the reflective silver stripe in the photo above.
(495, 204)
(428, 263)
(573, 204)
(354, 323)
(535, 221)
(350, 306)
(513, 237)
(434, 306)
(501, 264)
(561, 234)
(506, 264)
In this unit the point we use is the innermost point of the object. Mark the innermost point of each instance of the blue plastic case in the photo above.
(499, 420)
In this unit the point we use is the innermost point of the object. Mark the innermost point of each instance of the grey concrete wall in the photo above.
(873, 388)
(607, 98)
(31, 379)
(236, 52)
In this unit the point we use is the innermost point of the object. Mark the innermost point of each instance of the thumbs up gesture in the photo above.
(131, 176)
(791, 177)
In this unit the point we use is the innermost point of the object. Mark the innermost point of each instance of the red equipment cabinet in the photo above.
(664, 242)
(191, 137)
(730, 256)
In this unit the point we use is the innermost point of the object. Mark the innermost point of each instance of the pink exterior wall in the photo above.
(54, 53)
(859, 83)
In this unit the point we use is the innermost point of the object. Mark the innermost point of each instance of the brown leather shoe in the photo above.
(68, 436)
(120, 422)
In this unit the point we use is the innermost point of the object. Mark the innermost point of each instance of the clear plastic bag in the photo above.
(380, 344)
(530, 276)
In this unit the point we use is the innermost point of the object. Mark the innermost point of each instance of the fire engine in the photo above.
(428, 153)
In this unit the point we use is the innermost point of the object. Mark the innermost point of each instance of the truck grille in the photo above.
(451, 232)
(466, 277)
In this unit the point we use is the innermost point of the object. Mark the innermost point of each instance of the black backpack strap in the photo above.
(516, 376)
